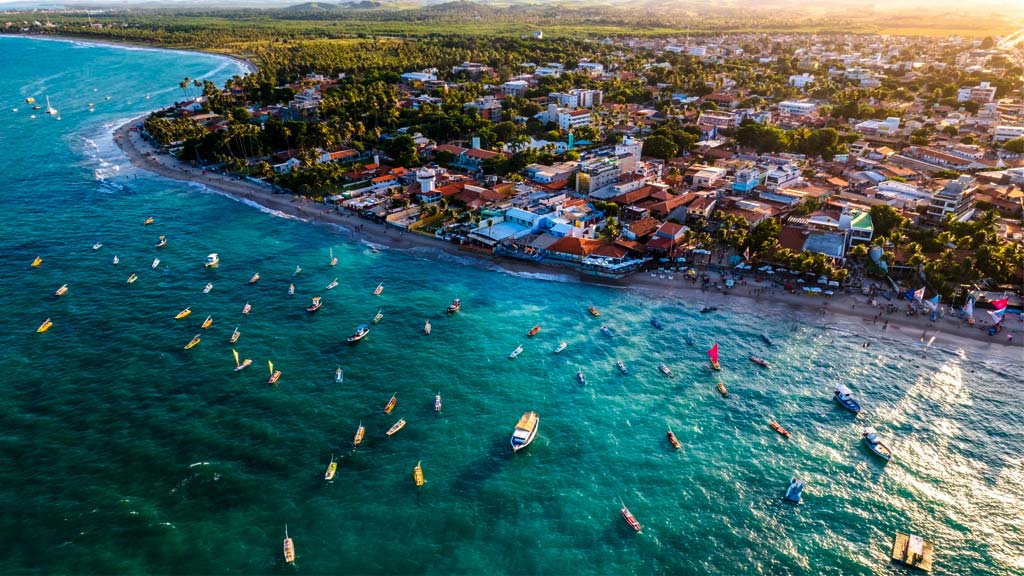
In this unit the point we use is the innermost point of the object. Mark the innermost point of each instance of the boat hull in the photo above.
(849, 403)
(879, 449)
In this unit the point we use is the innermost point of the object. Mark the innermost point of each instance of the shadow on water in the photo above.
(497, 458)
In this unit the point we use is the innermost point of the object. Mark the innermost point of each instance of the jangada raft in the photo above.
(713, 355)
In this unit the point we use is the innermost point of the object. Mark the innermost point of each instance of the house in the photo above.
(956, 197)
(424, 76)
(783, 176)
(801, 81)
(797, 108)
(488, 107)
(708, 177)
(702, 207)
(516, 88)
(982, 93)
(569, 119)
(1004, 133)
(746, 179)
(668, 237)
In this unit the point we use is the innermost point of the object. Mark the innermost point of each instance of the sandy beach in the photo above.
(850, 313)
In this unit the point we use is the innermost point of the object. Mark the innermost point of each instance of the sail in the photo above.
(1000, 304)
(968, 308)
(235, 352)
(271, 364)
(713, 352)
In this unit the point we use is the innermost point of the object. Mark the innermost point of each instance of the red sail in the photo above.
(713, 353)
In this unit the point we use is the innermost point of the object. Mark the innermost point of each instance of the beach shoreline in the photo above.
(948, 333)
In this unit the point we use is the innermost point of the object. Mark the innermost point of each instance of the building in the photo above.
(306, 101)
(708, 177)
(543, 174)
(982, 93)
(1004, 133)
(578, 98)
(428, 75)
(888, 127)
(797, 108)
(515, 88)
(473, 69)
(569, 119)
(801, 80)
(597, 174)
(956, 197)
(590, 68)
(747, 179)
(489, 108)
(782, 177)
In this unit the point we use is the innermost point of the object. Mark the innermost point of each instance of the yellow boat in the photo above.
(30, 100)
(722, 390)
(360, 432)
(192, 342)
(593, 311)
(132, 278)
(162, 241)
(207, 322)
(239, 366)
(62, 290)
(275, 375)
(148, 221)
(44, 326)
(332, 469)
(417, 474)
(396, 427)
(37, 261)
(391, 403)
(289, 548)
(183, 314)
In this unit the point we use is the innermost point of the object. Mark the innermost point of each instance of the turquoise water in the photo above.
(123, 453)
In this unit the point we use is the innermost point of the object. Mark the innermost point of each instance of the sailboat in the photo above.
(426, 328)
(332, 469)
(380, 288)
(629, 518)
(561, 346)
(156, 262)
(209, 286)
(246, 308)
(333, 284)
(317, 303)
(339, 376)
(255, 278)
(62, 290)
(360, 432)
(713, 354)
(116, 260)
(239, 366)
(37, 261)
(192, 342)
(593, 311)
(207, 323)
(161, 242)
(378, 316)
(46, 325)
(334, 261)
(437, 402)
(274, 375)
(417, 474)
(298, 270)
(183, 314)
(50, 109)
(289, 547)
(148, 221)
(234, 336)
(396, 427)
(673, 440)
(391, 403)
(291, 289)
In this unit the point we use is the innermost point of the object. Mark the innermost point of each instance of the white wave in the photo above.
(535, 275)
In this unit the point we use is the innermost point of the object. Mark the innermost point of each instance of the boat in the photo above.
(156, 262)
(116, 260)
(46, 325)
(795, 490)
(358, 438)
(417, 474)
(673, 440)
(580, 377)
(391, 403)
(339, 376)
(515, 353)
(665, 370)
(161, 242)
(291, 289)
(379, 289)
(622, 367)
(207, 323)
(332, 469)
(50, 109)
(289, 548)
(437, 402)
(247, 308)
(593, 311)
(561, 346)
(526, 431)
(533, 331)
(782, 431)
(378, 316)
(298, 270)
(767, 339)
(37, 261)
(239, 366)
(913, 551)
(183, 314)
(333, 284)
(148, 221)
(30, 100)
(870, 436)
(317, 303)
(234, 336)
(455, 306)
(722, 390)
(361, 331)
(396, 427)
(334, 261)
(208, 287)
(132, 278)
(212, 260)
(630, 519)
(97, 246)
(713, 355)
(255, 278)
(845, 398)
(657, 324)
(606, 331)
(689, 338)
(426, 328)
(192, 342)
(707, 309)
(275, 375)
(62, 290)
(760, 361)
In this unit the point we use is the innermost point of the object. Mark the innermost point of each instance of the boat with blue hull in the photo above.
(845, 399)
(657, 324)
(795, 491)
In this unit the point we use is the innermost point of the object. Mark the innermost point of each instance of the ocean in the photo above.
(124, 453)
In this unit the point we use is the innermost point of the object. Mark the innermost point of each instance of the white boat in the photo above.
(870, 436)
(156, 262)
(426, 328)
(62, 290)
(437, 402)
(97, 246)
(333, 284)
(339, 376)
(291, 289)
(334, 261)
(561, 346)
(116, 259)
(526, 431)
(378, 316)
(665, 370)
(247, 308)
(361, 331)
(209, 286)
(606, 331)
(379, 289)
(515, 353)
(622, 367)
(212, 260)
(580, 377)
(298, 270)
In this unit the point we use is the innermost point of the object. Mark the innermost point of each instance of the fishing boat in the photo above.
(561, 346)
(630, 519)
(396, 427)
(689, 338)
(665, 370)
(30, 100)
(760, 361)
(845, 398)
(426, 328)
(192, 342)
(673, 440)
(208, 287)
(606, 331)
(46, 325)
(291, 289)
(148, 221)
(339, 376)
(334, 261)
(298, 270)
(275, 375)
(317, 303)
(713, 355)
(526, 431)
(333, 284)
(246, 309)
(50, 109)
(97, 246)
(234, 336)
(212, 260)
(289, 548)
(795, 490)
(37, 261)
(332, 469)
(378, 316)
(417, 474)
(161, 242)
(239, 366)
(580, 377)
(707, 309)
(593, 311)
(658, 325)
(183, 314)
(379, 289)
(767, 339)
(116, 260)
(455, 306)
(870, 436)
(437, 402)
(358, 438)
(156, 262)
(361, 331)
(515, 353)
(62, 290)
(255, 278)
(391, 403)
(132, 279)
(782, 431)
(207, 323)
(621, 366)
(722, 390)
(533, 331)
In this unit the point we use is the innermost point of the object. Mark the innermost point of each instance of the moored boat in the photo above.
(298, 270)
(767, 339)
(673, 440)
(46, 325)
(97, 246)
(621, 366)
(665, 370)
(379, 289)
(606, 331)
(533, 331)
(183, 314)
(339, 375)
(207, 323)
(593, 311)
(713, 355)
(148, 221)
(417, 474)
(291, 289)
(760, 361)
(161, 242)
(289, 548)
(870, 436)
(437, 402)
(396, 427)
(332, 469)
(845, 398)
(722, 390)
(361, 331)
(657, 324)
(455, 306)
(62, 290)
(212, 260)
(116, 260)
(192, 342)
(515, 353)
(358, 438)
(426, 327)
(255, 278)
(333, 284)
(239, 366)
(795, 490)
(391, 403)
(234, 336)
(37, 261)
(689, 338)
(561, 346)
(132, 279)
(334, 261)
(525, 431)
(315, 305)
(630, 519)
(275, 375)
(247, 308)
(156, 262)
(378, 316)
(782, 431)
(208, 287)
(580, 377)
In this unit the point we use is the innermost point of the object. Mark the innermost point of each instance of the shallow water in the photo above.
(125, 453)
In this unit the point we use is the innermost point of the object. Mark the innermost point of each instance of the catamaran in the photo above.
(339, 375)
(455, 306)
(334, 261)
(208, 322)
(358, 439)
(161, 242)
(396, 427)
(289, 547)
(183, 314)
(208, 287)
(239, 366)
(333, 284)
(275, 375)
(515, 353)
(713, 355)
(391, 403)
(317, 303)
(246, 308)
(437, 402)
(192, 342)
(212, 260)
(379, 289)
(46, 325)
(156, 262)
(62, 290)
(234, 336)
(525, 431)
(332, 469)
(378, 316)
(255, 278)
(417, 474)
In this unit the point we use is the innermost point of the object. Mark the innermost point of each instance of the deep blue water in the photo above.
(123, 453)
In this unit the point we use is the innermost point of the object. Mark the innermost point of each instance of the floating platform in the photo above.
(913, 551)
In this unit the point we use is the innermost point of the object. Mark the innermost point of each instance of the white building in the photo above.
(782, 177)
(578, 98)
(569, 119)
(591, 68)
(797, 108)
(1004, 133)
(424, 76)
(516, 88)
(982, 93)
(801, 80)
